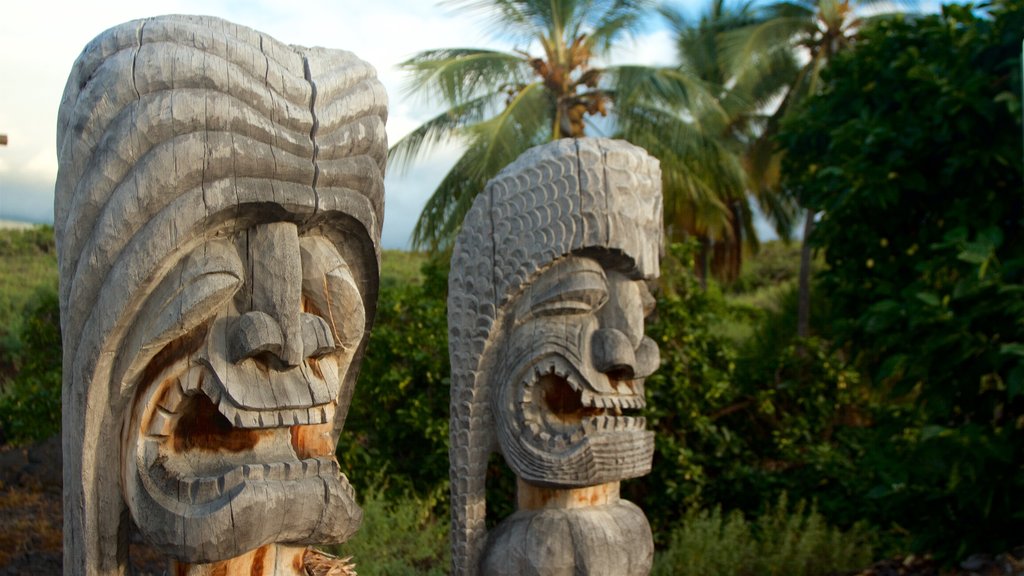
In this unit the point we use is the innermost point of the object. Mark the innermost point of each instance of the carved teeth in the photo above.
(160, 422)
(275, 471)
(614, 423)
(290, 469)
(276, 419)
(587, 398)
(192, 380)
(172, 397)
(233, 478)
(203, 490)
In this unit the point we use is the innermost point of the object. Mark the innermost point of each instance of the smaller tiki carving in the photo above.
(548, 293)
(218, 217)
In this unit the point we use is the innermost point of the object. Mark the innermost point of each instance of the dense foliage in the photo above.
(399, 414)
(30, 351)
(739, 423)
(783, 540)
(905, 409)
(401, 535)
(28, 260)
(912, 154)
(30, 402)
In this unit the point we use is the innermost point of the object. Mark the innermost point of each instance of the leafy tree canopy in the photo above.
(913, 154)
(500, 103)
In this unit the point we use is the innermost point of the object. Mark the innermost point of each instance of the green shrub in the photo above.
(400, 536)
(740, 425)
(780, 542)
(693, 385)
(399, 413)
(912, 154)
(29, 263)
(30, 404)
(776, 262)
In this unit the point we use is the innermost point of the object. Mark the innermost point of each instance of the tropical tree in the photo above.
(815, 30)
(738, 96)
(499, 103)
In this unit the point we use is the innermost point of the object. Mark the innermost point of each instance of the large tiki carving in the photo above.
(218, 215)
(547, 300)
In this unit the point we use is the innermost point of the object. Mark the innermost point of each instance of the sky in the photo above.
(40, 39)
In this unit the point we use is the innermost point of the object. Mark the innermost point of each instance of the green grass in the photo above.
(403, 537)
(783, 541)
(28, 259)
(399, 267)
(764, 289)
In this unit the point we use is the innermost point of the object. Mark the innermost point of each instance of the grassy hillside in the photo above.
(398, 267)
(28, 258)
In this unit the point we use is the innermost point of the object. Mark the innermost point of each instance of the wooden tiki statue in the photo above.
(218, 216)
(547, 299)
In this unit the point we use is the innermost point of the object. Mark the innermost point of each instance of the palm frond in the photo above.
(444, 210)
(454, 75)
(750, 43)
(491, 145)
(445, 127)
(526, 121)
(699, 174)
(665, 87)
(509, 18)
(606, 21)
(763, 79)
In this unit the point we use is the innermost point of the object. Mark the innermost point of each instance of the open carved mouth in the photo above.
(193, 450)
(559, 409)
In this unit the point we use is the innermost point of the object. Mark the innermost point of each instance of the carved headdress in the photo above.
(591, 197)
(171, 132)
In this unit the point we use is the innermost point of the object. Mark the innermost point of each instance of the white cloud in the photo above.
(40, 39)
(656, 48)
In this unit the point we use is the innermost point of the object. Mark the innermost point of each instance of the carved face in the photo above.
(230, 444)
(576, 358)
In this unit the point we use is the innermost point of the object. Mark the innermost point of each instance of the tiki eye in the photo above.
(330, 291)
(204, 281)
(575, 292)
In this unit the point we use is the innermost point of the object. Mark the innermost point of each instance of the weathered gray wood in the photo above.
(218, 213)
(547, 298)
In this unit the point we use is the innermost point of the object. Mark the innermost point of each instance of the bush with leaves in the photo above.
(399, 414)
(401, 534)
(794, 541)
(913, 155)
(738, 427)
(30, 404)
(28, 259)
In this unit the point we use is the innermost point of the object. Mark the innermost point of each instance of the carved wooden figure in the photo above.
(218, 216)
(547, 299)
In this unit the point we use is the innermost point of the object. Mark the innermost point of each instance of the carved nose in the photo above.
(275, 324)
(258, 333)
(613, 354)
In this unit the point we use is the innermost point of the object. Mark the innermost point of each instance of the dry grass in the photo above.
(30, 521)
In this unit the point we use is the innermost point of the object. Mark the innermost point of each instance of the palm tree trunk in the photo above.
(705, 261)
(803, 318)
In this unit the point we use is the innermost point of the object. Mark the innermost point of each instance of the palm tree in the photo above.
(501, 103)
(722, 125)
(815, 30)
